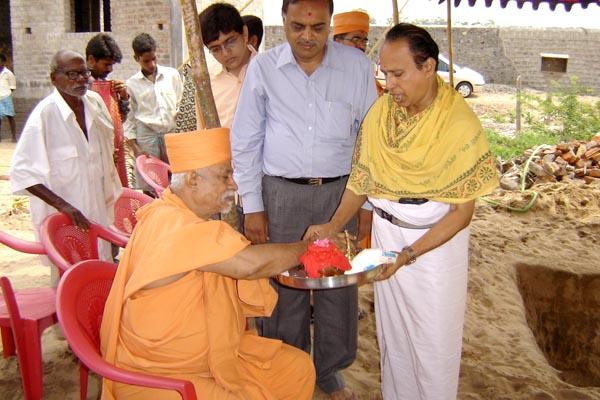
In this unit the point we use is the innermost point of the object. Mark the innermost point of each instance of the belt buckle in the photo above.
(383, 214)
(315, 181)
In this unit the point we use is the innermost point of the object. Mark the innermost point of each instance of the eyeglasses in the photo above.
(357, 40)
(228, 45)
(74, 75)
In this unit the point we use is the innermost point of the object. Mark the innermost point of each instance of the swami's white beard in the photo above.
(224, 198)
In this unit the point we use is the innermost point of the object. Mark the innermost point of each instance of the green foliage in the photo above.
(560, 116)
(507, 147)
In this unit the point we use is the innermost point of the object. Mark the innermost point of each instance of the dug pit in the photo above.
(563, 312)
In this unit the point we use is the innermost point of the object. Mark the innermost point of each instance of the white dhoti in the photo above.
(420, 309)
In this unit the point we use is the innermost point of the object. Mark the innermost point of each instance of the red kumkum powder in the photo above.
(322, 254)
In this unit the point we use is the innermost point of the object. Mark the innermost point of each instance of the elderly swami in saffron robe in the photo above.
(186, 284)
(422, 159)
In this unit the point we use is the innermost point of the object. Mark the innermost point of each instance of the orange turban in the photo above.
(189, 151)
(350, 22)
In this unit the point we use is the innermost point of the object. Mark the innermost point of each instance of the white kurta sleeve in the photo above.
(30, 165)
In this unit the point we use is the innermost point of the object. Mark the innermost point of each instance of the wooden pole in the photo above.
(242, 8)
(518, 106)
(204, 96)
(449, 20)
(395, 15)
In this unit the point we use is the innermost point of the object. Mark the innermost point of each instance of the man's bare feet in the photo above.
(343, 394)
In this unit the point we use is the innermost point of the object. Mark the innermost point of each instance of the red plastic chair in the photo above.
(66, 244)
(24, 315)
(81, 297)
(24, 246)
(154, 171)
(125, 207)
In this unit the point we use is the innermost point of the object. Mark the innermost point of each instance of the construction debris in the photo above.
(571, 160)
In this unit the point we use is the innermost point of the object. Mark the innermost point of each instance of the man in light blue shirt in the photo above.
(292, 137)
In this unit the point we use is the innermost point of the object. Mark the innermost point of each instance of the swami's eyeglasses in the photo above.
(357, 40)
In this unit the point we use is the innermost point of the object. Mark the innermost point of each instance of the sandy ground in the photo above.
(532, 327)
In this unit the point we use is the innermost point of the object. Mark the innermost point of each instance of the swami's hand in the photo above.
(322, 231)
(78, 219)
(256, 227)
(343, 241)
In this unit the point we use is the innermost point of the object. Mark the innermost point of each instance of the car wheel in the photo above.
(465, 89)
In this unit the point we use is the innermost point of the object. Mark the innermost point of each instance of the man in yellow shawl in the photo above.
(186, 284)
(421, 159)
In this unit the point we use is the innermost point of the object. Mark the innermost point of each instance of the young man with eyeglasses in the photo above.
(64, 157)
(226, 38)
(154, 92)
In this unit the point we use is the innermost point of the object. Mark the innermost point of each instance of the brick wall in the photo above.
(51, 30)
(501, 54)
(51, 26)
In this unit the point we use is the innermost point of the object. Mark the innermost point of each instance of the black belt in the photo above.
(398, 222)
(313, 181)
(410, 200)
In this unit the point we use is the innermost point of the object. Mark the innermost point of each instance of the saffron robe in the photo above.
(194, 328)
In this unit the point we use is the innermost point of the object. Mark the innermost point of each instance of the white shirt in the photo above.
(153, 104)
(54, 152)
(8, 83)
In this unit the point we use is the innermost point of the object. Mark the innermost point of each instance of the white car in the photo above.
(465, 78)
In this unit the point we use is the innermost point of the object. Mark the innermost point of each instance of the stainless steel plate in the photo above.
(297, 279)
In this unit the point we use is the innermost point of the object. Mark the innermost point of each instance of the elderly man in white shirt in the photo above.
(64, 158)
(154, 93)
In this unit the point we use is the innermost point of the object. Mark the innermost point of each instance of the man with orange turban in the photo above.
(186, 284)
(352, 29)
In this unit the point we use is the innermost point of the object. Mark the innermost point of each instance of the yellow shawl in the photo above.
(440, 154)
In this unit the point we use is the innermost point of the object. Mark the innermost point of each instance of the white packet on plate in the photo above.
(370, 258)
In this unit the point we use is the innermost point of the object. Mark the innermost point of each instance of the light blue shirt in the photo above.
(293, 125)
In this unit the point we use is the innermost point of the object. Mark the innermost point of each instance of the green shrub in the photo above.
(507, 147)
(560, 116)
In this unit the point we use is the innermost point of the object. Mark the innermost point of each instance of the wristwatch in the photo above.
(412, 256)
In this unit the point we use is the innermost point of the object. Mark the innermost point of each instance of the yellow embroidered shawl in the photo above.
(440, 154)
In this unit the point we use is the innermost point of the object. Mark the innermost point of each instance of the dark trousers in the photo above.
(291, 208)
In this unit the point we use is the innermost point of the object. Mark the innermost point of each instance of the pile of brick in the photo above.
(572, 160)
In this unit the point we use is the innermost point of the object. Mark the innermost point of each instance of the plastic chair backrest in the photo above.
(81, 296)
(17, 327)
(24, 246)
(85, 298)
(126, 206)
(154, 171)
(66, 244)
